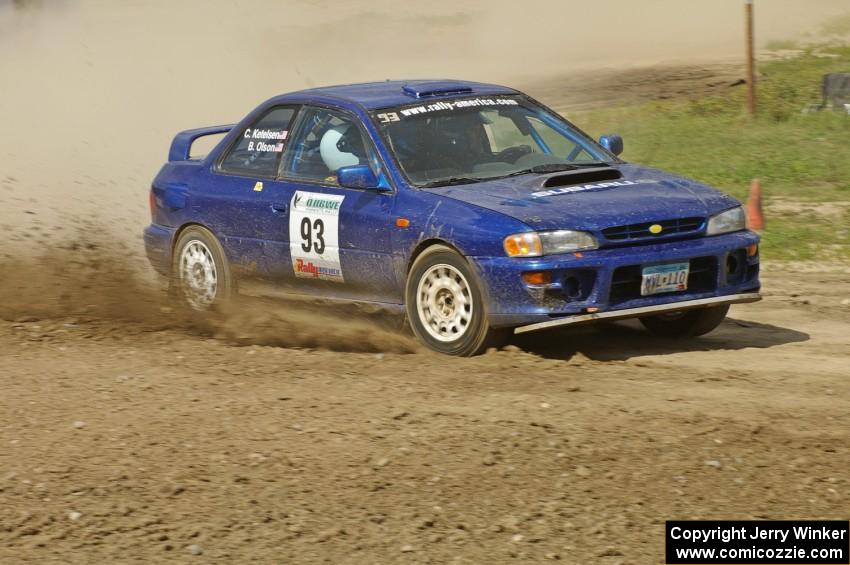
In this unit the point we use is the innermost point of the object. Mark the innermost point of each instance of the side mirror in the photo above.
(357, 176)
(612, 142)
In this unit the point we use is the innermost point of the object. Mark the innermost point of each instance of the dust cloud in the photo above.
(89, 281)
(93, 91)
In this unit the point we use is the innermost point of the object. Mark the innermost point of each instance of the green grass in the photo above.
(798, 157)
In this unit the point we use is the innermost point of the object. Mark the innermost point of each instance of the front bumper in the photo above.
(643, 311)
(606, 280)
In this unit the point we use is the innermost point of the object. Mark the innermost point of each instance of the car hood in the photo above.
(593, 200)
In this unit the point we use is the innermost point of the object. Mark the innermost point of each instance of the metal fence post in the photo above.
(751, 59)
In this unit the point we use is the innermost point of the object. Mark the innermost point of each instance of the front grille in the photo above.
(625, 283)
(641, 231)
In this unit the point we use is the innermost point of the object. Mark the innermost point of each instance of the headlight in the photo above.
(535, 244)
(566, 241)
(728, 221)
(523, 245)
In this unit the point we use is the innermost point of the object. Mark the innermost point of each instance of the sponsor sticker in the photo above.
(444, 106)
(585, 187)
(314, 235)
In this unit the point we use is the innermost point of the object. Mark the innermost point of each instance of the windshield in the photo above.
(458, 141)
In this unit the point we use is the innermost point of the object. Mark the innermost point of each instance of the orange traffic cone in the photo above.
(755, 217)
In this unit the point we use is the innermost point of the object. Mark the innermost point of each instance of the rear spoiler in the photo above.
(182, 144)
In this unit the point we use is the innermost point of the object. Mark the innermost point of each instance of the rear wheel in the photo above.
(200, 273)
(445, 305)
(688, 323)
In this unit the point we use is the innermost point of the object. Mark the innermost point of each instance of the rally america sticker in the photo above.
(584, 187)
(444, 106)
(314, 235)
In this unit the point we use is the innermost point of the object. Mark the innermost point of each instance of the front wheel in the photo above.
(445, 305)
(688, 323)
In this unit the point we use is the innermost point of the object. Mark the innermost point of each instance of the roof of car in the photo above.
(372, 95)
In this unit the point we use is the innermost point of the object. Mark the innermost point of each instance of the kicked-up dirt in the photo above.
(137, 435)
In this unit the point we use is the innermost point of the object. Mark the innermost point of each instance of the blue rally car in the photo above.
(471, 208)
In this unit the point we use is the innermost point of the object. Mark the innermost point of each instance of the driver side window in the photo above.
(325, 141)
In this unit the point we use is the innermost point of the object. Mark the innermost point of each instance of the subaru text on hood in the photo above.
(470, 208)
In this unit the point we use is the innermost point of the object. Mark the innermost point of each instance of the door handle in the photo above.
(279, 208)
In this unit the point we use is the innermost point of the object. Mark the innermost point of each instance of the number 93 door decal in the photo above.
(314, 235)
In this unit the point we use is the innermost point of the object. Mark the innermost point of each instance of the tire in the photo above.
(689, 323)
(445, 305)
(200, 274)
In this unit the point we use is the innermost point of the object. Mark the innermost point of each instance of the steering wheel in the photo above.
(512, 154)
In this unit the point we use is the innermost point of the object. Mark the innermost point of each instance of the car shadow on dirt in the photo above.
(618, 341)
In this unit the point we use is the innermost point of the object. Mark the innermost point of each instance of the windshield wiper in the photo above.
(450, 182)
(556, 168)
(542, 169)
(591, 164)
(537, 169)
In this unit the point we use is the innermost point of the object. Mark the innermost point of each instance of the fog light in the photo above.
(752, 250)
(731, 265)
(572, 287)
(537, 278)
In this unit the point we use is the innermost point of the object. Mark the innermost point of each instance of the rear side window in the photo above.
(258, 148)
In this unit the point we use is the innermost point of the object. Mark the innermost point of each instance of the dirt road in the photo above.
(139, 440)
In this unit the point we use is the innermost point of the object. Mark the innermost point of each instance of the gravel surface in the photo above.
(143, 440)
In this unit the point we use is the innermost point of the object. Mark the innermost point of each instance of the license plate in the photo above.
(664, 278)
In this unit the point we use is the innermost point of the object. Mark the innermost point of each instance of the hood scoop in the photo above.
(581, 176)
